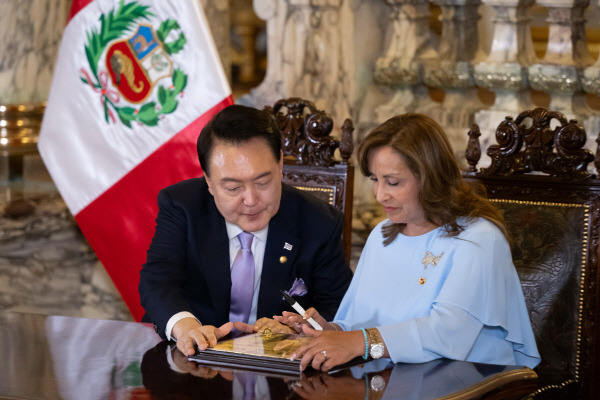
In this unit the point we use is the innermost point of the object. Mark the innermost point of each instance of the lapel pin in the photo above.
(287, 246)
(283, 259)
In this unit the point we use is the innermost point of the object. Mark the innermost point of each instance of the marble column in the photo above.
(274, 13)
(453, 69)
(504, 71)
(308, 55)
(560, 71)
(591, 77)
(30, 33)
(320, 66)
(245, 26)
(411, 44)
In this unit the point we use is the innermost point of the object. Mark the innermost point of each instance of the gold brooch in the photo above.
(429, 259)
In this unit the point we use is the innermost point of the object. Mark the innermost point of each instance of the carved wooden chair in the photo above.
(309, 162)
(538, 177)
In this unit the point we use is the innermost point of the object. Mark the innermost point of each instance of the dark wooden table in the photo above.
(55, 357)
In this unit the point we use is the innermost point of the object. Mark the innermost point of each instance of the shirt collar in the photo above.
(233, 230)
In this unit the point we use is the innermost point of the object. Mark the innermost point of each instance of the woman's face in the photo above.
(396, 188)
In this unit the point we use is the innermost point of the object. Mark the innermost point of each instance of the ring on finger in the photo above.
(266, 331)
(324, 352)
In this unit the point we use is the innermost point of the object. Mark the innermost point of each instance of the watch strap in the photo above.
(374, 339)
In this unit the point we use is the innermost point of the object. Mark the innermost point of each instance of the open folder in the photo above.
(260, 352)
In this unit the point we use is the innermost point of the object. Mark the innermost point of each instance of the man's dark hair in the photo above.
(235, 125)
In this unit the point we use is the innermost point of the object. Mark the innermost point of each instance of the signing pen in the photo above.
(300, 310)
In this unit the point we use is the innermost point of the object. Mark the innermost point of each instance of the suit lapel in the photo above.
(280, 254)
(215, 261)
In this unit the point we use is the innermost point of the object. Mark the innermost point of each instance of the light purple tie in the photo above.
(242, 280)
(248, 381)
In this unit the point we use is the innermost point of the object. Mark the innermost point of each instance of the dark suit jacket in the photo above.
(188, 267)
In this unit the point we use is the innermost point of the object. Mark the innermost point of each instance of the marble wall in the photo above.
(30, 33)
(46, 265)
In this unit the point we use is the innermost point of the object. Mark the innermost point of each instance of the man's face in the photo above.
(245, 181)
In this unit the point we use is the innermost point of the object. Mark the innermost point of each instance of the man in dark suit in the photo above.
(186, 283)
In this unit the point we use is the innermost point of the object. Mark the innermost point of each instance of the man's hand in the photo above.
(193, 368)
(189, 333)
(261, 325)
(243, 327)
(273, 325)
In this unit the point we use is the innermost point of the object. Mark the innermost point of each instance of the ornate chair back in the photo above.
(539, 178)
(309, 159)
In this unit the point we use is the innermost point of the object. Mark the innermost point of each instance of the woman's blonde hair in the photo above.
(443, 193)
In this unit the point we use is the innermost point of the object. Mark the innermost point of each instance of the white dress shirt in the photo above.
(259, 244)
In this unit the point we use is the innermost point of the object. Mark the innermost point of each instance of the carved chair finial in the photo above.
(347, 141)
(473, 152)
(597, 159)
(524, 147)
(306, 133)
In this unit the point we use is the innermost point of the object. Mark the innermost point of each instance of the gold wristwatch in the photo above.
(376, 347)
(375, 386)
(377, 383)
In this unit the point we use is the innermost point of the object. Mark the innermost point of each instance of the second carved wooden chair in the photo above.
(539, 178)
(310, 161)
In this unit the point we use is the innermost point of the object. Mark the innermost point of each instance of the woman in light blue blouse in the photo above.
(436, 278)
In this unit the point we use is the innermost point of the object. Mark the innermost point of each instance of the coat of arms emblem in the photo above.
(129, 61)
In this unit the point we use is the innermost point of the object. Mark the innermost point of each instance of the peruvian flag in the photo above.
(135, 82)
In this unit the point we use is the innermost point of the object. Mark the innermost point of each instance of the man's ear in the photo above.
(281, 162)
(209, 183)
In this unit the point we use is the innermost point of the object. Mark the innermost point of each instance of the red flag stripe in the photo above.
(76, 6)
(119, 224)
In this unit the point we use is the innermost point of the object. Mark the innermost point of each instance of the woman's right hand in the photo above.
(295, 321)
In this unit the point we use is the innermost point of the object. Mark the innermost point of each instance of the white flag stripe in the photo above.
(94, 153)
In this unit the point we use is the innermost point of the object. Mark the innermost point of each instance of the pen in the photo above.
(300, 310)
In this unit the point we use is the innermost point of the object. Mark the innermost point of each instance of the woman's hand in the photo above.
(295, 321)
(328, 348)
(273, 325)
(329, 387)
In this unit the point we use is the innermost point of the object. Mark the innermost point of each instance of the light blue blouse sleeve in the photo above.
(484, 283)
(451, 332)
(447, 332)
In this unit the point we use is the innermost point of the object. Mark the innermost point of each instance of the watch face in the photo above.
(377, 383)
(377, 351)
